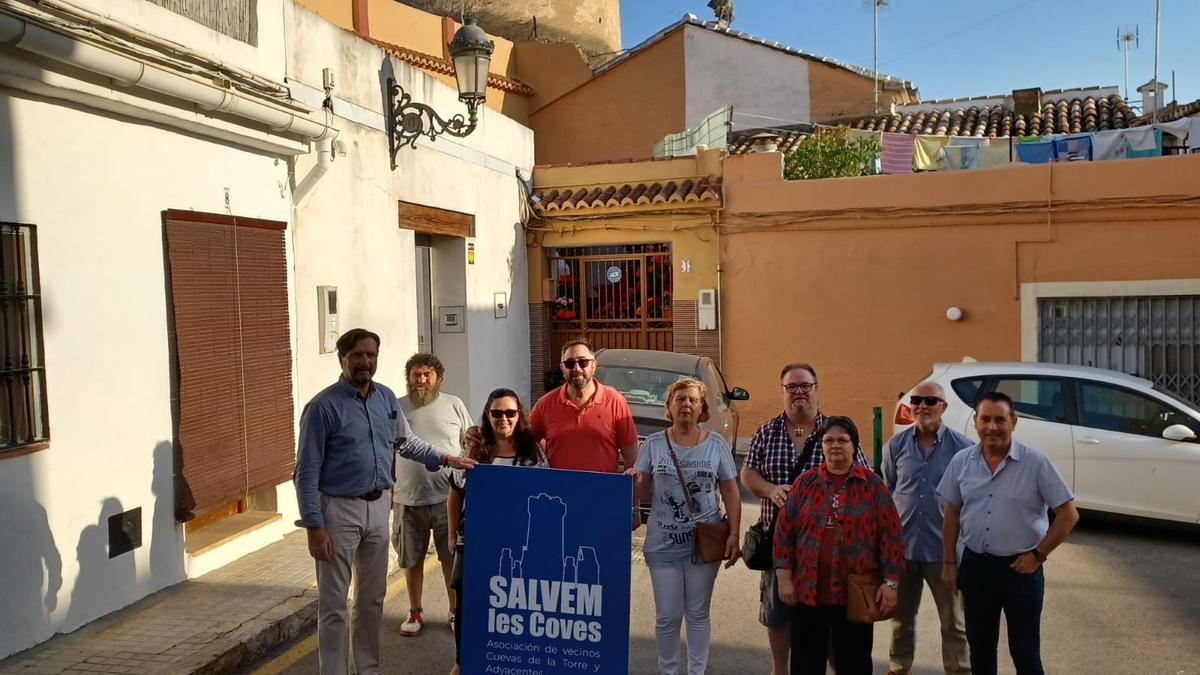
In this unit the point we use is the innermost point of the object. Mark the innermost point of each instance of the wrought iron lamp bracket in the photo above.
(409, 120)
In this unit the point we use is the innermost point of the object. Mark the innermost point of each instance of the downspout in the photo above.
(130, 72)
(324, 160)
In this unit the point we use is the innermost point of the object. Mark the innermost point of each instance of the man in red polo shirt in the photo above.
(584, 423)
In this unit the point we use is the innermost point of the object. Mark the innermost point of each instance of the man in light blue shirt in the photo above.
(914, 461)
(996, 499)
(350, 434)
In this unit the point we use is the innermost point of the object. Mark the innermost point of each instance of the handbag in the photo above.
(708, 539)
(758, 546)
(860, 598)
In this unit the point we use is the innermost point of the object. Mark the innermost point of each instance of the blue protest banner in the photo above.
(546, 573)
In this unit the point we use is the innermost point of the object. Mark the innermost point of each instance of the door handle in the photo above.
(1089, 441)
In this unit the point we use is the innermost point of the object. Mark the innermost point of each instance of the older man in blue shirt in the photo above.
(997, 495)
(350, 434)
(914, 462)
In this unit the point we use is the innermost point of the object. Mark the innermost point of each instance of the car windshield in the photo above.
(641, 386)
(1187, 405)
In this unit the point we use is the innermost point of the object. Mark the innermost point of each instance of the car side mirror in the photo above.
(1178, 432)
(739, 394)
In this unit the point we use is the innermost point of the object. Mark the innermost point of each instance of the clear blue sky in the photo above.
(957, 48)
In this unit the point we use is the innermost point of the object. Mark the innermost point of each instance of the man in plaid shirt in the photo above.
(768, 472)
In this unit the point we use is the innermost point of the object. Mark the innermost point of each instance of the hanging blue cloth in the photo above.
(1075, 147)
(1036, 153)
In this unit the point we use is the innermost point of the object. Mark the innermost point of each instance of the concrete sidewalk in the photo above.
(217, 623)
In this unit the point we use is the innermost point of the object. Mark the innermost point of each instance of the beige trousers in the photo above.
(360, 534)
(950, 613)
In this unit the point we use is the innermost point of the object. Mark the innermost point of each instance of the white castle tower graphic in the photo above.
(544, 554)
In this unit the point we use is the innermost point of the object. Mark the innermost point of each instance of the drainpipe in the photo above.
(324, 160)
(130, 72)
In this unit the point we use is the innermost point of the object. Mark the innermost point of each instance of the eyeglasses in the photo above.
(802, 386)
(570, 364)
(497, 413)
(930, 401)
(832, 441)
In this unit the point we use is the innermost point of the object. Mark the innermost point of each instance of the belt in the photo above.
(989, 556)
(371, 496)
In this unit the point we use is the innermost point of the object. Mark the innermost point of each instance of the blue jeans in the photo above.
(990, 586)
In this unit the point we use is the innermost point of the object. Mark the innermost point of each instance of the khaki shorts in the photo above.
(772, 611)
(411, 529)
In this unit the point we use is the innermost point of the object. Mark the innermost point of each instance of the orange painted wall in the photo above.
(855, 275)
(620, 113)
(399, 24)
(835, 93)
(338, 12)
(551, 68)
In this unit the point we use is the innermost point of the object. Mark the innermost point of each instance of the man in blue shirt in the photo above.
(997, 494)
(913, 464)
(350, 434)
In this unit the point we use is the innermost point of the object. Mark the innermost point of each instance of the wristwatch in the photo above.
(1041, 557)
(891, 583)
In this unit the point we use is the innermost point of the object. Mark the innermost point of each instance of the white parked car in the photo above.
(1121, 443)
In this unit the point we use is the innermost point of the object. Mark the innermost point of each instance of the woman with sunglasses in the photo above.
(506, 440)
(685, 472)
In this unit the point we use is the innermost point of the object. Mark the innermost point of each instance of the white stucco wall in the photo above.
(347, 230)
(265, 59)
(754, 79)
(96, 195)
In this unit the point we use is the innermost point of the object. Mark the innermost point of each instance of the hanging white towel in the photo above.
(968, 141)
(1140, 138)
(1178, 128)
(1109, 144)
(1194, 133)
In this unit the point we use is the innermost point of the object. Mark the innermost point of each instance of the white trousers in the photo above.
(361, 536)
(682, 589)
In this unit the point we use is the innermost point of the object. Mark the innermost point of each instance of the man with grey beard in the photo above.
(419, 500)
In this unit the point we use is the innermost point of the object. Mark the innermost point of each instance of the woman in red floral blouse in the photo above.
(839, 519)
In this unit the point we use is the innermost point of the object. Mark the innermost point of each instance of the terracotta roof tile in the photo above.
(685, 191)
(436, 64)
(1062, 116)
(1174, 111)
(786, 138)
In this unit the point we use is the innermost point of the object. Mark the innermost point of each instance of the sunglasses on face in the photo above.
(497, 414)
(570, 364)
(803, 386)
(930, 401)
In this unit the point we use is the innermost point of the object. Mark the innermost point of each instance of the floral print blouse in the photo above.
(869, 523)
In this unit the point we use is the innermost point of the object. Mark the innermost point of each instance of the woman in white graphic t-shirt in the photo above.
(686, 488)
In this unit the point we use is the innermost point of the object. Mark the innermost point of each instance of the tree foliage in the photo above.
(832, 154)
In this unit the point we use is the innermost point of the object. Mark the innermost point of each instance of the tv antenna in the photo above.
(1127, 41)
(876, 5)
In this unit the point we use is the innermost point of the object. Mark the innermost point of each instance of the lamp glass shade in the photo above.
(471, 50)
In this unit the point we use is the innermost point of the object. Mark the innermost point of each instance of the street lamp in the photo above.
(471, 55)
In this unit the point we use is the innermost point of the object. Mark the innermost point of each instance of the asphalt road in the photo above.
(1121, 597)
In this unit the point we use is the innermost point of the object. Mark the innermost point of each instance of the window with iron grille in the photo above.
(23, 418)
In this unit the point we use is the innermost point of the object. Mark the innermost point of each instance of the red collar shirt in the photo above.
(587, 438)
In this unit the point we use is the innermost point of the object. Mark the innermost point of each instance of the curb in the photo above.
(236, 650)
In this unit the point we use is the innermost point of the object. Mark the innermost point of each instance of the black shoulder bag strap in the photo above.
(810, 444)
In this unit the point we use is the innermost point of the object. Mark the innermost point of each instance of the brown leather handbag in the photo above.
(708, 539)
(860, 598)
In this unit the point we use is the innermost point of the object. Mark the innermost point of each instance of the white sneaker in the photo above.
(411, 627)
